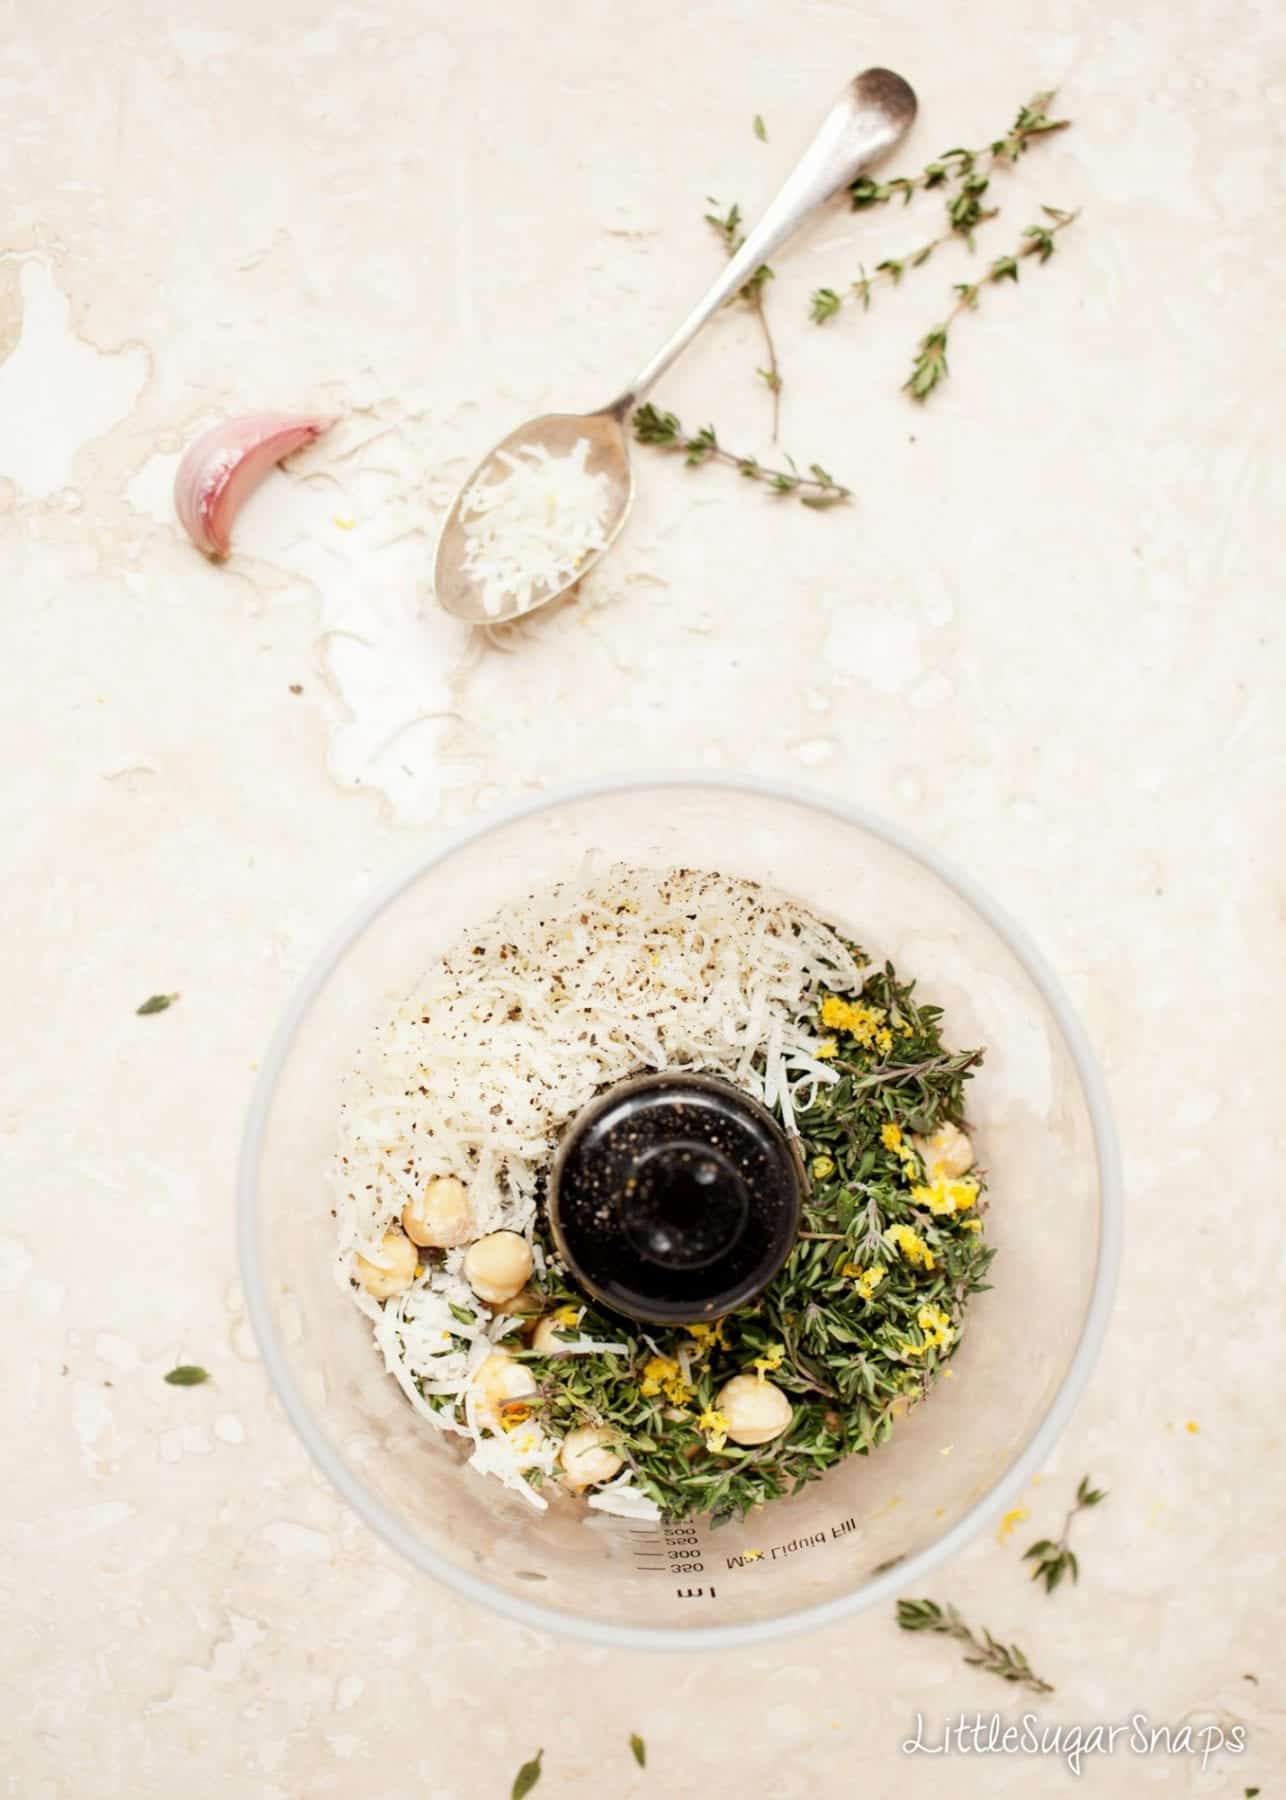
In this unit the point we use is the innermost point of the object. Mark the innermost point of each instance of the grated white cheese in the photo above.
(508, 1036)
(531, 530)
(624, 1500)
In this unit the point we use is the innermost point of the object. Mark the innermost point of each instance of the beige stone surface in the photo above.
(1046, 638)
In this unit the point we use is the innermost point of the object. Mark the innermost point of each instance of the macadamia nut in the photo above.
(587, 1461)
(756, 1411)
(948, 1153)
(497, 1266)
(439, 1217)
(392, 1271)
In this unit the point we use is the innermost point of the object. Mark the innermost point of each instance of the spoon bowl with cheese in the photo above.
(551, 498)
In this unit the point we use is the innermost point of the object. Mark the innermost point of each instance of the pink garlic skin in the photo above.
(225, 465)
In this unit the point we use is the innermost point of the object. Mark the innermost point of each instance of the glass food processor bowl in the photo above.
(1043, 1129)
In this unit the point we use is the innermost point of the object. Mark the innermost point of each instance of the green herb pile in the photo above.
(858, 1324)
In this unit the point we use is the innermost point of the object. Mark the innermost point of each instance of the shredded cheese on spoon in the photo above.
(508, 1036)
(530, 531)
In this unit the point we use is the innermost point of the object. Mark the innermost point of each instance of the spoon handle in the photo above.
(872, 114)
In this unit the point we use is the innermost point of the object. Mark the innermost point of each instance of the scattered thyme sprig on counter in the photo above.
(727, 226)
(966, 177)
(1005, 1660)
(1054, 1559)
(971, 169)
(930, 367)
(826, 302)
(816, 489)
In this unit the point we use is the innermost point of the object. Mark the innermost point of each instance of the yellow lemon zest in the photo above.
(656, 1371)
(943, 1195)
(864, 1023)
(714, 1425)
(870, 1279)
(1014, 1516)
(937, 1331)
(911, 1245)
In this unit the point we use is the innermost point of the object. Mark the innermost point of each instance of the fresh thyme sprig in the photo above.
(728, 228)
(930, 367)
(966, 177)
(969, 168)
(826, 302)
(898, 1074)
(1054, 1559)
(816, 489)
(1005, 1660)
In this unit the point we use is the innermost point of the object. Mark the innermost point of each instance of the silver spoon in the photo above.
(872, 114)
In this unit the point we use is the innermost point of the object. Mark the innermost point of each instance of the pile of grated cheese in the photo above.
(507, 1037)
(531, 530)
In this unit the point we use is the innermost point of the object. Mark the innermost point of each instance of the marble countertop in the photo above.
(1043, 639)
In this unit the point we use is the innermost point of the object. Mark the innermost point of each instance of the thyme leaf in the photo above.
(187, 1375)
(639, 1749)
(526, 1778)
(155, 1003)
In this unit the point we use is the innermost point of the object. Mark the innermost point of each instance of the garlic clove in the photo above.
(224, 466)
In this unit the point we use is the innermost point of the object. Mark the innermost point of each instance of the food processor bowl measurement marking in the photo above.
(674, 1550)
